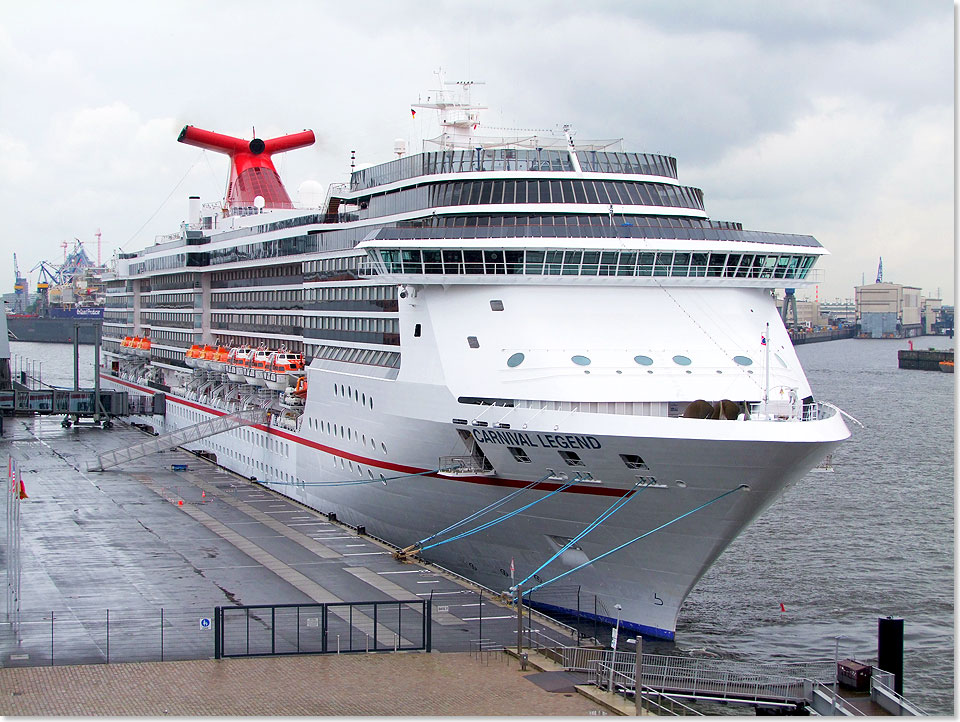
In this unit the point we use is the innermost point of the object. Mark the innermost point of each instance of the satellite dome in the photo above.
(310, 193)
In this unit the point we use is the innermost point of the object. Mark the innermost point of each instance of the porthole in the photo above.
(515, 360)
(743, 360)
(580, 360)
(643, 360)
(681, 360)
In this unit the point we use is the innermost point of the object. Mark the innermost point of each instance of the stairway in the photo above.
(177, 438)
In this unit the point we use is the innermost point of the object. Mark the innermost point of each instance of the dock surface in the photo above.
(107, 553)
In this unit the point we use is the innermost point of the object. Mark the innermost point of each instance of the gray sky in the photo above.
(833, 119)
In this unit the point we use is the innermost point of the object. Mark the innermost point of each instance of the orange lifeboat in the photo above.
(283, 362)
(191, 356)
(144, 344)
(222, 355)
(261, 358)
(127, 340)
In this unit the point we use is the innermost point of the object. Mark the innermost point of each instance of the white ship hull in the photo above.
(649, 579)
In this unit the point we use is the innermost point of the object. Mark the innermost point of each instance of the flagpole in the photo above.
(766, 386)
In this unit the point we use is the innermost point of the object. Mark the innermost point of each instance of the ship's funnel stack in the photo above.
(252, 172)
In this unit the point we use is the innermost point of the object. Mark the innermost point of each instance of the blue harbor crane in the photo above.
(20, 289)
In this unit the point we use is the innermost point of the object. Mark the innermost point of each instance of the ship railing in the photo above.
(787, 410)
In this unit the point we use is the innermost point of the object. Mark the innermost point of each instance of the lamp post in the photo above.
(836, 669)
(613, 646)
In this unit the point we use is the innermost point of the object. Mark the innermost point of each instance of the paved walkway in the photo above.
(415, 684)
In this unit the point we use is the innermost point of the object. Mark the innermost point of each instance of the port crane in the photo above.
(20, 289)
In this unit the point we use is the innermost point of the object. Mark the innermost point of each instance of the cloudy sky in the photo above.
(830, 118)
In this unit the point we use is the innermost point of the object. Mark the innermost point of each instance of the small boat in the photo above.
(236, 360)
(192, 355)
(946, 367)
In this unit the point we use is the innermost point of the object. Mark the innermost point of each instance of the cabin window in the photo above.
(472, 342)
(571, 458)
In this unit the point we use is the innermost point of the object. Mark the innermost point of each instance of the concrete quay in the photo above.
(148, 538)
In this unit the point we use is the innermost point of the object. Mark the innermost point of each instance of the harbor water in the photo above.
(874, 537)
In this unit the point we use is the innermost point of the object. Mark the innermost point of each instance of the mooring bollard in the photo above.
(523, 662)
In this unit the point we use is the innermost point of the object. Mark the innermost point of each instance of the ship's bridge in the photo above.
(610, 255)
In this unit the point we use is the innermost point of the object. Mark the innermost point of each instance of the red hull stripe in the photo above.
(379, 463)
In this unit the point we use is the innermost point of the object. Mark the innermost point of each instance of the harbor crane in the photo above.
(20, 289)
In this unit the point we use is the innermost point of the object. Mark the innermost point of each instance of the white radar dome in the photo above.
(310, 193)
(400, 146)
(259, 203)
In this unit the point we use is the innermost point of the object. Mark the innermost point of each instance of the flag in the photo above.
(413, 113)
(763, 340)
(511, 569)
(23, 491)
(782, 608)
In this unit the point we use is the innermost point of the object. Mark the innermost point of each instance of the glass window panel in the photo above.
(681, 264)
(514, 260)
(553, 263)
(486, 189)
(509, 191)
(591, 192)
(567, 187)
(545, 196)
(474, 197)
(645, 264)
(432, 262)
(641, 192)
(473, 261)
(497, 193)
(662, 267)
(579, 194)
(612, 195)
(716, 264)
(534, 264)
(411, 261)
(591, 260)
(521, 190)
(571, 263)
(608, 263)
(493, 261)
(628, 263)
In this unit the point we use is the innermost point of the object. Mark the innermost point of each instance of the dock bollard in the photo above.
(523, 662)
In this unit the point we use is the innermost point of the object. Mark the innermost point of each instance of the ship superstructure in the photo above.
(491, 316)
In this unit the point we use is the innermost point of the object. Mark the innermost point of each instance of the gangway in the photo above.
(212, 427)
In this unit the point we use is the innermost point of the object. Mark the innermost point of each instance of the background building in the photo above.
(888, 310)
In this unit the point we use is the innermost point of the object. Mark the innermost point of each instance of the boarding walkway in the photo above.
(212, 427)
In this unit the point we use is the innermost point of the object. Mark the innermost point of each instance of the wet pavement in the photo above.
(129, 563)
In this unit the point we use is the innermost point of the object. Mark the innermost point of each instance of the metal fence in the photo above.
(154, 635)
(282, 629)
(106, 635)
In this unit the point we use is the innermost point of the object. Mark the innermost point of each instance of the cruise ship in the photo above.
(535, 361)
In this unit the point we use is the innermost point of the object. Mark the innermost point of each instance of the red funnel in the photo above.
(252, 173)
